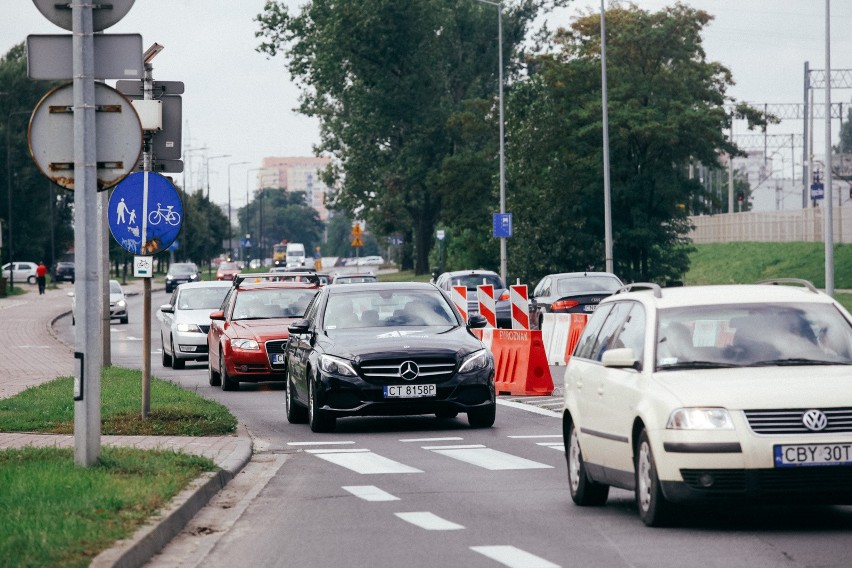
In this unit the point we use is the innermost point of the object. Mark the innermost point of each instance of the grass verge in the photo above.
(55, 513)
(49, 408)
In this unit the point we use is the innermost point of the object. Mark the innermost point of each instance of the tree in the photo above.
(203, 230)
(666, 110)
(384, 77)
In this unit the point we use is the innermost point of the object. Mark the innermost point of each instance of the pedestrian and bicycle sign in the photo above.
(145, 213)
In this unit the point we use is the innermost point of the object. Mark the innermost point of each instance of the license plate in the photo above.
(277, 358)
(590, 307)
(410, 391)
(813, 455)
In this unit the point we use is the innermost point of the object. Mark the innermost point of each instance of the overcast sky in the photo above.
(240, 103)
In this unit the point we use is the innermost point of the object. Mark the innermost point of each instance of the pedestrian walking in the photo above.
(41, 277)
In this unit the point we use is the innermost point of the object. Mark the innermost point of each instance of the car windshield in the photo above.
(752, 335)
(201, 298)
(471, 281)
(388, 308)
(229, 266)
(272, 303)
(114, 287)
(587, 284)
(182, 269)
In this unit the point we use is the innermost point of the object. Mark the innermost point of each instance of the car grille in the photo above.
(790, 421)
(386, 371)
(276, 346)
(781, 481)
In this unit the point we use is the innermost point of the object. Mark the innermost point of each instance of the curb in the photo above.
(150, 540)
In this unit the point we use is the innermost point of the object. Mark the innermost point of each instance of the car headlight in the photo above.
(700, 419)
(169, 277)
(189, 327)
(246, 344)
(336, 366)
(121, 304)
(476, 361)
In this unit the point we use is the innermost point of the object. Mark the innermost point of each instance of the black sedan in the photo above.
(570, 293)
(385, 349)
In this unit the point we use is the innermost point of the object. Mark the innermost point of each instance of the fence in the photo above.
(771, 226)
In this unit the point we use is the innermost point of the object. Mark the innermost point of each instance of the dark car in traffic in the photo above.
(181, 272)
(385, 349)
(64, 270)
(471, 279)
(570, 293)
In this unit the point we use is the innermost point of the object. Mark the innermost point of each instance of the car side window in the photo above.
(311, 311)
(587, 340)
(632, 332)
(608, 336)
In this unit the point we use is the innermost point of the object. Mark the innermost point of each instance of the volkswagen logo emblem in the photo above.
(814, 420)
(409, 370)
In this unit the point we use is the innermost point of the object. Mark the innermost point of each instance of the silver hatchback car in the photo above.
(185, 320)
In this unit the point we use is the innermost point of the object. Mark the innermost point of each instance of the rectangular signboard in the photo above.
(502, 225)
(117, 56)
(817, 191)
(143, 266)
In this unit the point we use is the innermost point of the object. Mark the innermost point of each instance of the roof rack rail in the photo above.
(636, 286)
(800, 281)
(276, 277)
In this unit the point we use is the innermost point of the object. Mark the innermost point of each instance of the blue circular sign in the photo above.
(145, 213)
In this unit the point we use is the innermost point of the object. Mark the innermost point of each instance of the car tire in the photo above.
(228, 384)
(177, 364)
(482, 417)
(125, 319)
(31, 279)
(167, 359)
(295, 414)
(584, 491)
(654, 509)
(447, 413)
(213, 377)
(318, 420)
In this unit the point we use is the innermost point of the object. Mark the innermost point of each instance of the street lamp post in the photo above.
(248, 212)
(230, 225)
(207, 170)
(499, 6)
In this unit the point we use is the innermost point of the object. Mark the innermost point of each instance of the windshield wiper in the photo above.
(797, 361)
(695, 365)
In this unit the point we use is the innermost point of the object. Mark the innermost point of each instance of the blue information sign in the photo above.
(145, 213)
(502, 225)
(817, 191)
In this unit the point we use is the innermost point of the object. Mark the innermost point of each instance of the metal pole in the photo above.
(147, 164)
(731, 171)
(807, 134)
(503, 252)
(605, 111)
(87, 375)
(230, 223)
(828, 199)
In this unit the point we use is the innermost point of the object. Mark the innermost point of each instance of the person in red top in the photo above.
(41, 277)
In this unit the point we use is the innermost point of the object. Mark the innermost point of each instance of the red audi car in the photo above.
(248, 336)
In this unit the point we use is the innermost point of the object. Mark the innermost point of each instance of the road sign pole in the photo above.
(148, 94)
(87, 412)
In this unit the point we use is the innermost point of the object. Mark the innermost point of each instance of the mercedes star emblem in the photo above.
(408, 370)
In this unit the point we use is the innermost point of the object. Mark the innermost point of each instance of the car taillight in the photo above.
(564, 305)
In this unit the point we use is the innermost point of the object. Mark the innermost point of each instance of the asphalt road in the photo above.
(423, 491)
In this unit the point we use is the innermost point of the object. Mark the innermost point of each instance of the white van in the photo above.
(295, 255)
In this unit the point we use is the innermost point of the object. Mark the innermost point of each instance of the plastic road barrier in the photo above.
(520, 306)
(487, 306)
(458, 295)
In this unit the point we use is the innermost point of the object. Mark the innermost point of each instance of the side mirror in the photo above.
(167, 309)
(218, 316)
(621, 358)
(477, 321)
(299, 326)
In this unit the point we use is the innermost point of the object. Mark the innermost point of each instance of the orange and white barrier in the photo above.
(520, 306)
(487, 305)
(520, 363)
(458, 295)
(560, 333)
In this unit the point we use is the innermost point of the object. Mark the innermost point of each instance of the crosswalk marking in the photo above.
(536, 436)
(424, 440)
(340, 443)
(363, 461)
(559, 446)
(456, 447)
(429, 521)
(513, 557)
(490, 459)
(370, 493)
(529, 408)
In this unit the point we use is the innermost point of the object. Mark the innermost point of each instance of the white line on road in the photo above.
(448, 439)
(429, 521)
(529, 408)
(491, 459)
(340, 443)
(363, 462)
(458, 447)
(513, 557)
(537, 436)
(370, 493)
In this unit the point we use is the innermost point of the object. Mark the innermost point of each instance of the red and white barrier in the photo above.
(458, 294)
(520, 306)
(560, 333)
(487, 305)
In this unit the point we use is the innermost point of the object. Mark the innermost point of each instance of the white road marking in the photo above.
(513, 557)
(370, 493)
(448, 439)
(529, 408)
(558, 446)
(340, 443)
(456, 447)
(429, 521)
(363, 461)
(489, 459)
(537, 436)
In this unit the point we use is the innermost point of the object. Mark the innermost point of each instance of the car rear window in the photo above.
(471, 281)
(587, 284)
